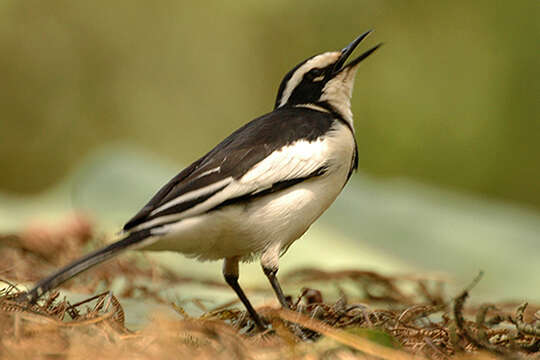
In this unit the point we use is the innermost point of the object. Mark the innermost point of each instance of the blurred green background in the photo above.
(450, 101)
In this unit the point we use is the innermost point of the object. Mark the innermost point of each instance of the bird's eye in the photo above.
(315, 74)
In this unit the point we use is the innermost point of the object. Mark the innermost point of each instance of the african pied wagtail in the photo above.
(258, 190)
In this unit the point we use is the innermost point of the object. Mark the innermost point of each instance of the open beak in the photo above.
(347, 51)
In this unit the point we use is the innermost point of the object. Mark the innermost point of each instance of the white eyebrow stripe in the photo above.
(319, 61)
(193, 194)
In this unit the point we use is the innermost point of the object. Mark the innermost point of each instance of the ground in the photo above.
(374, 316)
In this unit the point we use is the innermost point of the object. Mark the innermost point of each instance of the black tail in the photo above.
(83, 264)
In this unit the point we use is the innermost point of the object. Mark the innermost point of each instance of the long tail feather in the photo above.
(83, 264)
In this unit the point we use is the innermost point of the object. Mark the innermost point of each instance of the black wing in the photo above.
(234, 156)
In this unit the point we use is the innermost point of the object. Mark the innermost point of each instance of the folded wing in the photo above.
(268, 154)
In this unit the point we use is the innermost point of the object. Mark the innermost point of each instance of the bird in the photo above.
(258, 190)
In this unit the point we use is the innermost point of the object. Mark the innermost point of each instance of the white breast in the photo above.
(246, 229)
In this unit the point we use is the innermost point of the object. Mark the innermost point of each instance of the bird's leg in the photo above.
(270, 265)
(230, 272)
(271, 274)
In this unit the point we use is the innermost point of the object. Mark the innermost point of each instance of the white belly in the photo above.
(244, 230)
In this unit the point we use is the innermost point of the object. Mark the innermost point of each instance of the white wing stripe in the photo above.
(298, 160)
(157, 221)
(293, 161)
(208, 172)
(228, 193)
(193, 194)
(312, 107)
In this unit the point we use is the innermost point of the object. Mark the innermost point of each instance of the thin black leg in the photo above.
(296, 329)
(271, 275)
(230, 272)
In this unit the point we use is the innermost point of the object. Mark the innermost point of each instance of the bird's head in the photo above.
(323, 81)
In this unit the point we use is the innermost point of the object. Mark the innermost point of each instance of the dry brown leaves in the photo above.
(312, 329)
(375, 317)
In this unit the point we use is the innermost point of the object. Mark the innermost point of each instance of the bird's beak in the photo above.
(347, 51)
